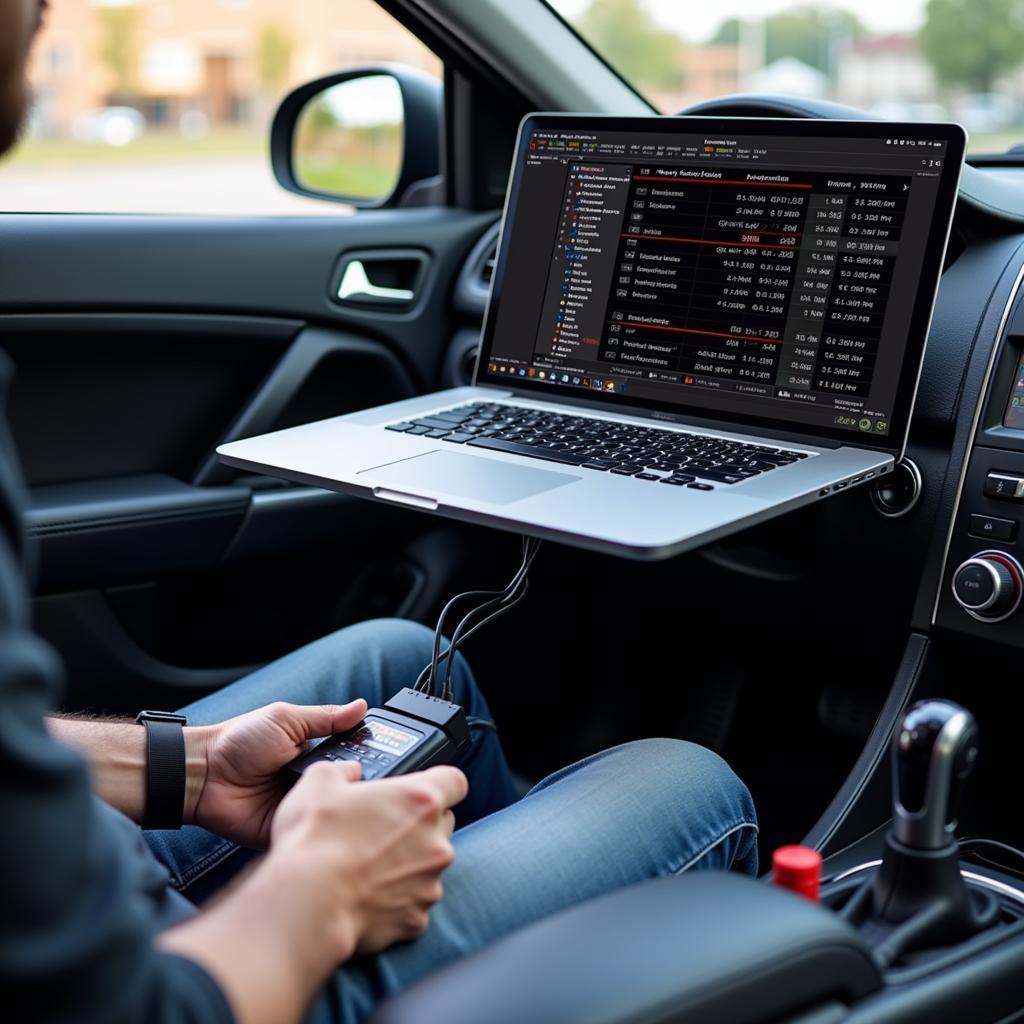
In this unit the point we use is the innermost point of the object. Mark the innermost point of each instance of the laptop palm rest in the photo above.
(464, 475)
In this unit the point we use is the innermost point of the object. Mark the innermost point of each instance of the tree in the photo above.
(623, 32)
(118, 50)
(728, 33)
(807, 33)
(973, 42)
(274, 47)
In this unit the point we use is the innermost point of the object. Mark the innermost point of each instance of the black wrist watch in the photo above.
(165, 771)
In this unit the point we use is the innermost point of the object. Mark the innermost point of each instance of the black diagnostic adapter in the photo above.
(412, 731)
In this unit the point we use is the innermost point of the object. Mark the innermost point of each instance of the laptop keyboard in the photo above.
(666, 456)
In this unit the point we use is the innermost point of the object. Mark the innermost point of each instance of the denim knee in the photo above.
(693, 782)
(685, 767)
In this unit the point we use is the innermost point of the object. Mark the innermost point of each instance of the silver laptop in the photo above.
(695, 324)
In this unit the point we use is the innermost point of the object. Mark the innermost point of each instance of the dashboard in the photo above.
(982, 579)
(896, 566)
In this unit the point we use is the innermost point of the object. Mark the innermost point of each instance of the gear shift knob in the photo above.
(933, 752)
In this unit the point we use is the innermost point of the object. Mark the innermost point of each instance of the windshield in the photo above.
(907, 60)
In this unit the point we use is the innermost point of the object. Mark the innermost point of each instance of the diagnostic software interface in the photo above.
(771, 276)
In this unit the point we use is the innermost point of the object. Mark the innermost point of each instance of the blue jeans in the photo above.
(650, 808)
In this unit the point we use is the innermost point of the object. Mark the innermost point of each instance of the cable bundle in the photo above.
(493, 604)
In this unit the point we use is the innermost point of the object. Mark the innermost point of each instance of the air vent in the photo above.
(460, 359)
(487, 270)
(474, 283)
(469, 364)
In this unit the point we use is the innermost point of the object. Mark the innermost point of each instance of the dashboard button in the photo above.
(988, 586)
(990, 526)
(1006, 486)
(974, 585)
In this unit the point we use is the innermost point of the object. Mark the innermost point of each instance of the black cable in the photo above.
(425, 680)
(481, 723)
(514, 593)
(499, 601)
(428, 677)
(429, 684)
(444, 654)
(967, 847)
(505, 606)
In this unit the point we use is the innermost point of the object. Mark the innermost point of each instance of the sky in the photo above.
(698, 19)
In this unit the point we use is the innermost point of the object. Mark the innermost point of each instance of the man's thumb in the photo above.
(327, 719)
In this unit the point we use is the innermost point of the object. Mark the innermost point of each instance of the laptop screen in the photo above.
(778, 273)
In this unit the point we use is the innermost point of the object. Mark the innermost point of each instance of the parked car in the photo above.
(113, 126)
(794, 648)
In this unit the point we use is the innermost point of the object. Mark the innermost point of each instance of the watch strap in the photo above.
(165, 769)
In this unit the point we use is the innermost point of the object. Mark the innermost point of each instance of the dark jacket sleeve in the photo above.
(79, 906)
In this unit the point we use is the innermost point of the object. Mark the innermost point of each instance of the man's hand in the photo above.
(379, 847)
(350, 868)
(242, 784)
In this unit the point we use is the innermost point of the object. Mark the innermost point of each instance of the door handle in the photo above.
(355, 286)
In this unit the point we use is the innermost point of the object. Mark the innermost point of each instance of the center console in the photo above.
(910, 938)
(982, 578)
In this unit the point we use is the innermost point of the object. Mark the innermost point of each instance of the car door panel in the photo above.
(140, 344)
(270, 266)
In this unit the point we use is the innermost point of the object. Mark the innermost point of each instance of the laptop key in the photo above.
(400, 426)
(647, 476)
(700, 487)
(458, 438)
(437, 433)
(721, 478)
(595, 465)
(418, 430)
(433, 423)
(531, 451)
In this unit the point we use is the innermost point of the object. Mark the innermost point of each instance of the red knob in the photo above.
(797, 868)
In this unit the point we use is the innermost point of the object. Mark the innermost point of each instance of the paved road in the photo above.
(232, 185)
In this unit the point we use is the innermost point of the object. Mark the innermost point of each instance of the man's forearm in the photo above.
(269, 943)
(116, 753)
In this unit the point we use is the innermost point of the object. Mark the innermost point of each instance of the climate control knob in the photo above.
(988, 586)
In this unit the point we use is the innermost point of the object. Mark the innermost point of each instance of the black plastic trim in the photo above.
(836, 824)
(101, 532)
(296, 367)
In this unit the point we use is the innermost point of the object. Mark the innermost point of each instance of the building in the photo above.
(788, 76)
(876, 72)
(711, 70)
(229, 60)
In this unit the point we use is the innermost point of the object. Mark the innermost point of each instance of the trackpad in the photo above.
(467, 476)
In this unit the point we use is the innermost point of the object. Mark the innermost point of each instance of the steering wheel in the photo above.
(990, 199)
(756, 105)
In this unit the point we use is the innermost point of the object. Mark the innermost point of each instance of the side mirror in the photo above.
(359, 137)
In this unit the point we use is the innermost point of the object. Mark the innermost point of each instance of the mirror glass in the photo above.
(348, 139)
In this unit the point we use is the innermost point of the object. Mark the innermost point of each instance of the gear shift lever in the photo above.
(918, 898)
(934, 751)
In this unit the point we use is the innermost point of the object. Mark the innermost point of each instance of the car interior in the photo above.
(794, 649)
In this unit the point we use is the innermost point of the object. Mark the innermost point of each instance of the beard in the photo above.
(14, 107)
